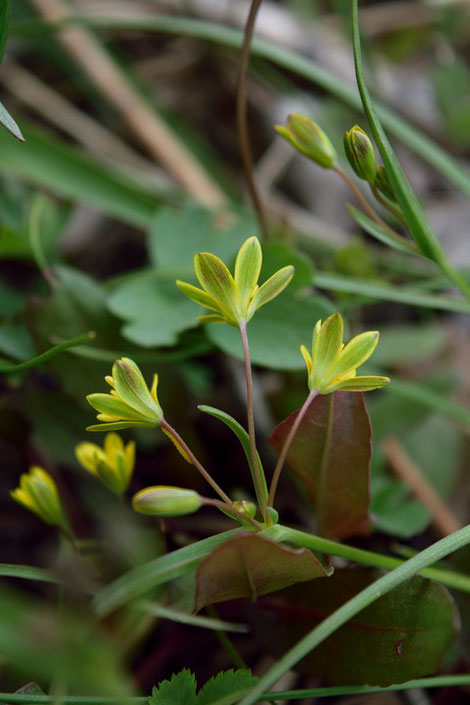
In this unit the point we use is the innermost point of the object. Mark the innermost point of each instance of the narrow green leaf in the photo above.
(51, 163)
(185, 618)
(8, 122)
(330, 455)
(145, 577)
(5, 9)
(27, 572)
(301, 66)
(388, 292)
(415, 217)
(242, 436)
(381, 234)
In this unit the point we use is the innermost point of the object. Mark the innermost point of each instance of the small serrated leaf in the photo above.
(226, 688)
(180, 690)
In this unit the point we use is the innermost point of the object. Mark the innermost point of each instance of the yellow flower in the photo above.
(38, 493)
(130, 402)
(332, 364)
(113, 464)
(235, 299)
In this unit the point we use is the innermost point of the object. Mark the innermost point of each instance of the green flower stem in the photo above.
(386, 203)
(228, 509)
(179, 441)
(364, 598)
(368, 208)
(258, 481)
(295, 537)
(8, 368)
(286, 446)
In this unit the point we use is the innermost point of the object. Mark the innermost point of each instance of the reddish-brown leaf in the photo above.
(403, 635)
(250, 566)
(331, 455)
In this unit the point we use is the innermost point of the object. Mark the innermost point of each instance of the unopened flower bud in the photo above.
(245, 507)
(382, 182)
(309, 139)
(166, 501)
(38, 493)
(360, 153)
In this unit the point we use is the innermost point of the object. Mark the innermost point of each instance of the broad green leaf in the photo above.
(176, 235)
(301, 66)
(372, 228)
(154, 310)
(51, 163)
(403, 344)
(276, 332)
(433, 445)
(226, 687)
(9, 124)
(330, 455)
(15, 341)
(404, 634)
(11, 300)
(180, 690)
(250, 566)
(242, 436)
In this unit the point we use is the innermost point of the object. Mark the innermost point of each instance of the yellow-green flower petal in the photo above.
(198, 295)
(114, 407)
(247, 270)
(217, 281)
(113, 464)
(130, 386)
(38, 493)
(356, 352)
(332, 365)
(272, 287)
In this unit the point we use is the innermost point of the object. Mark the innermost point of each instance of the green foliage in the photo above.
(403, 635)
(225, 688)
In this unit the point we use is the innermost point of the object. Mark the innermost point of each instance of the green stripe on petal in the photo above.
(217, 281)
(131, 387)
(356, 352)
(363, 384)
(197, 295)
(119, 425)
(271, 288)
(247, 270)
(112, 406)
(327, 346)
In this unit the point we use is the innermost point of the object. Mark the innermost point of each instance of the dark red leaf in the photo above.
(403, 635)
(251, 565)
(331, 456)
